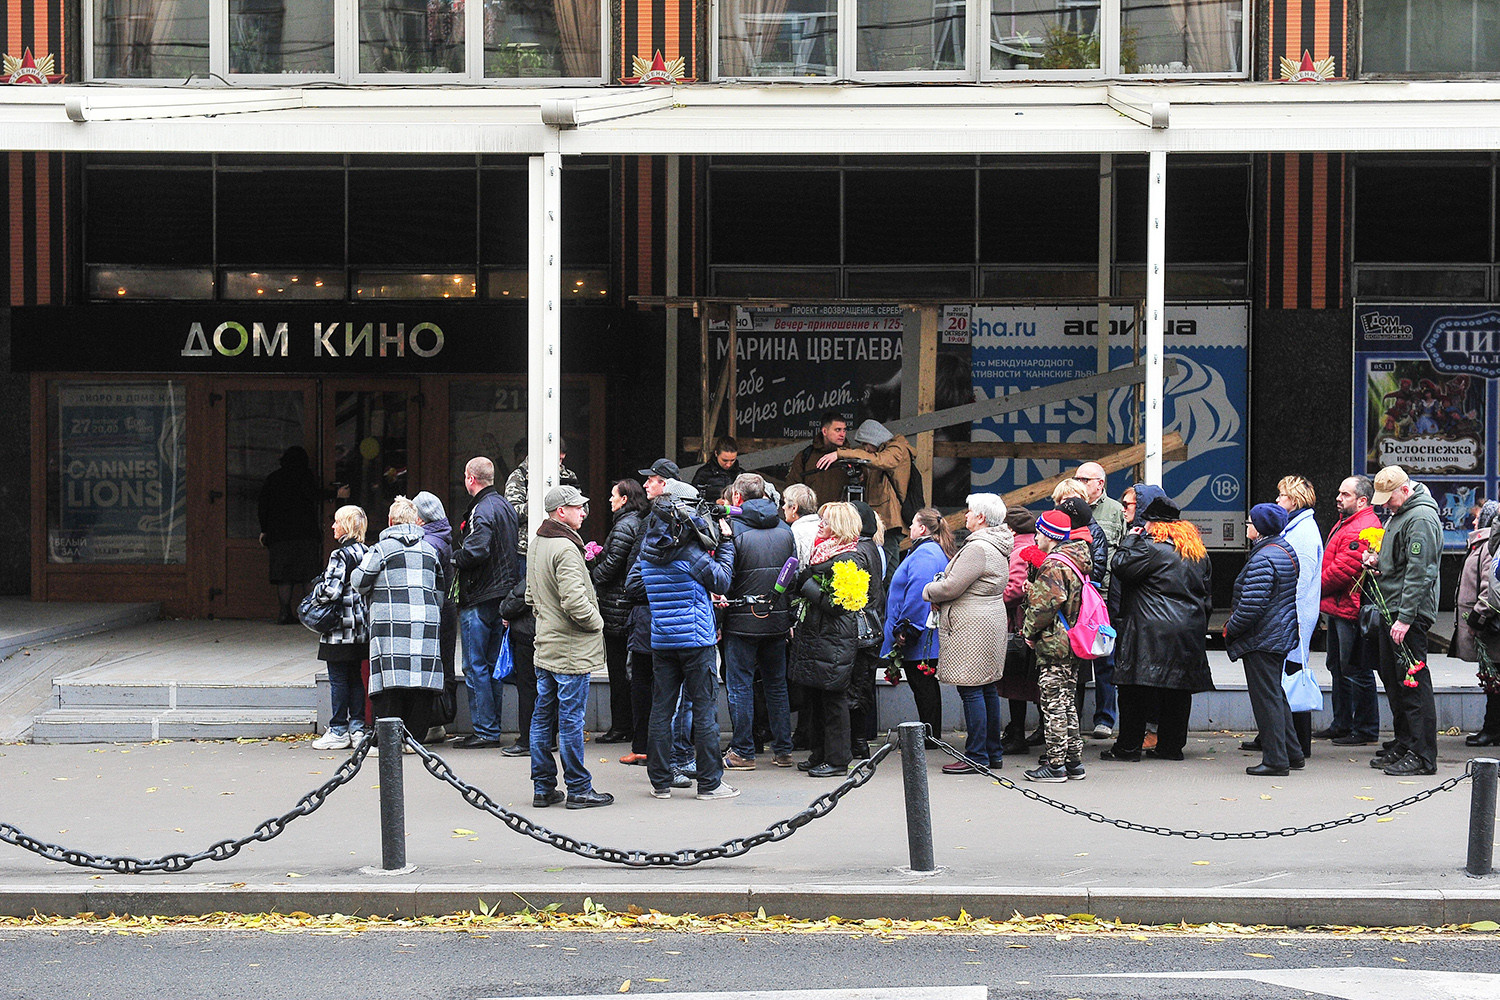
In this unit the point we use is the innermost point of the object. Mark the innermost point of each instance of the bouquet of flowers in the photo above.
(846, 587)
(591, 551)
(1374, 538)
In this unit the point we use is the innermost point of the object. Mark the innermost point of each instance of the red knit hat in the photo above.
(1055, 525)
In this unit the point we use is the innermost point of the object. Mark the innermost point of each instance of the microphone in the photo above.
(725, 510)
(786, 576)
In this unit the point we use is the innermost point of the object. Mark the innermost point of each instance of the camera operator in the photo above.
(685, 560)
(811, 464)
(885, 463)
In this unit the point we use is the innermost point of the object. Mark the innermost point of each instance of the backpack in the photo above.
(913, 500)
(1091, 637)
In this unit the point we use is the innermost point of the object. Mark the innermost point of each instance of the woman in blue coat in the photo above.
(932, 546)
(1262, 629)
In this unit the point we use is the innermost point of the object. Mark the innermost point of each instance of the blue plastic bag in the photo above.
(1302, 691)
(504, 665)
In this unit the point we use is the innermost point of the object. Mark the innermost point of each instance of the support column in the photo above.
(1103, 285)
(544, 355)
(1156, 294)
(673, 266)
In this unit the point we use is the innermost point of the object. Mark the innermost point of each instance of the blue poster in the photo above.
(1424, 399)
(1015, 348)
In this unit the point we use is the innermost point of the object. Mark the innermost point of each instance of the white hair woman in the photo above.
(970, 601)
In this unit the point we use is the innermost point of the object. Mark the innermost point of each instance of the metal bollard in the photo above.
(1482, 816)
(392, 736)
(913, 741)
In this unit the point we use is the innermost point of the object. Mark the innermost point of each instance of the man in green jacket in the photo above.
(1406, 572)
(569, 646)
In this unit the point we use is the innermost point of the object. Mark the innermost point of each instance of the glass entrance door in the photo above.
(369, 444)
(261, 423)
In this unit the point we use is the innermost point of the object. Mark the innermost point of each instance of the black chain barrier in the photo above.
(821, 806)
(222, 851)
(1164, 831)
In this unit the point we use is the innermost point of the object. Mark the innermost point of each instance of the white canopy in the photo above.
(748, 120)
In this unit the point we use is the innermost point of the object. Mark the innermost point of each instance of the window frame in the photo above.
(346, 55)
(1362, 74)
(977, 22)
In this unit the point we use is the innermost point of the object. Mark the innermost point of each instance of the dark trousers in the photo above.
(928, 695)
(689, 672)
(1356, 706)
(448, 647)
(1412, 709)
(413, 706)
(1139, 704)
(827, 714)
(523, 672)
(1279, 742)
(1491, 714)
(621, 712)
(642, 678)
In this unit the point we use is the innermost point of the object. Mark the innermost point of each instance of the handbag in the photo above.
(324, 614)
(869, 635)
(1302, 691)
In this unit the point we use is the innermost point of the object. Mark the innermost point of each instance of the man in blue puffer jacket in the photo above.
(1262, 628)
(681, 573)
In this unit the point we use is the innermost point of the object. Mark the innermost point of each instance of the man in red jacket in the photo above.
(1356, 710)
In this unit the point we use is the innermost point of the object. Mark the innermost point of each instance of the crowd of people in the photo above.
(804, 596)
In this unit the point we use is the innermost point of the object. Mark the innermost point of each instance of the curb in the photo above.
(1309, 908)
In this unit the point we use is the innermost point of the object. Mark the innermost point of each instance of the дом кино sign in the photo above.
(271, 338)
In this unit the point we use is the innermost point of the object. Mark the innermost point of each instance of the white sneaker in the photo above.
(661, 793)
(722, 792)
(332, 741)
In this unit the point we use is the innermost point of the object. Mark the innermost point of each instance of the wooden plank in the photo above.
(926, 392)
(968, 413)
(711, 426)
(703, 361)
(1122, 458)
(1035, 451)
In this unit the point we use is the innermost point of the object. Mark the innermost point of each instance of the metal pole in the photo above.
(1156, 284)
(391, 734)
(1482, 816)
(913, 740)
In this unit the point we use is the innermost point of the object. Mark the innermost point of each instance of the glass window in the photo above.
(122, 283)
(581, 287)
(1169, 37)
(909, 216)
(922, 283)
(1208, 213)
(1421, 211)
(1044, 34)
(775, 217)
(396, 285)
(1430, 36)
(281, 36)
(541, 38)
(413, 218)
(117, 472)
(778, 38)
(411, 36)
(1025, 284)
(911, 36)
(151, 39)
(489, 418)
(150, 216)
(283, 284)
(1048, 215)
(260, 424)
(1446, 283)
(760, 284)
(287, 217)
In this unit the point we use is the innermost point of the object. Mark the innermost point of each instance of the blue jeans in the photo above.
(562, 698)
(1356, 705)
(480, 627)
(691, 672)
(1106, 705)
(346, 690)
(743, 655)
(982, 721)
(683, 754)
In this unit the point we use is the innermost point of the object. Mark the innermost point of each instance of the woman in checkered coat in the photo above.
(399, 578)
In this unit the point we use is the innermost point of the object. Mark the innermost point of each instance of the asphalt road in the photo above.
(399, 963)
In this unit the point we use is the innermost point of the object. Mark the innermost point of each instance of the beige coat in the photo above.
(970, 598)
(891, 461)
(569, 627)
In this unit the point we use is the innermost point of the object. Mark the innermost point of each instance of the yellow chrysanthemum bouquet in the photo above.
(1374, 538)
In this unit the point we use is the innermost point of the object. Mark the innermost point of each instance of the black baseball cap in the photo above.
(664, 467)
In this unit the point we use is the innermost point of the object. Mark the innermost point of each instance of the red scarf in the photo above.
(828, 548)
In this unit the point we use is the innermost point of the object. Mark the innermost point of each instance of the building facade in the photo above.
(175, 319)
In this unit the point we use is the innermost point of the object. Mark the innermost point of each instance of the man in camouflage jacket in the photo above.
(1057, 589)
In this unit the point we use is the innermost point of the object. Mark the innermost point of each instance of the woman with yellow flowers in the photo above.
(1160, 596)
(970, 600)
(833, 588)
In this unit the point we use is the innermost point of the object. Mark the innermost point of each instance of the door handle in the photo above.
(214, 495)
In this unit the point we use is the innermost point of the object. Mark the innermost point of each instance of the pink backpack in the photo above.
(1092, 637)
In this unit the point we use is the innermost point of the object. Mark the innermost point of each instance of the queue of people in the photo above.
(805, 600)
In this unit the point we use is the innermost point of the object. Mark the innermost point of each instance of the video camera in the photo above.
(854, 475)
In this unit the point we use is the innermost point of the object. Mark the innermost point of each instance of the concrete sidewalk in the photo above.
(1000, 851)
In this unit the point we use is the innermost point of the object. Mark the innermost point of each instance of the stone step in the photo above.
(169, 695)
(105, 725)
